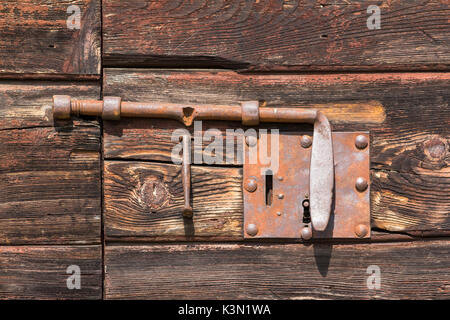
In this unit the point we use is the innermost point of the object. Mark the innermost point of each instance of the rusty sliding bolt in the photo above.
(186, 175)
(322, 167)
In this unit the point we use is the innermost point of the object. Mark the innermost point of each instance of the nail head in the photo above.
(251, 185)
(361, 184)
(250, 141)
(252, 229)
(306, 141)
(361, 230)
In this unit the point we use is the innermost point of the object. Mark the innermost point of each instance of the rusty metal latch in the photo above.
(331, 204)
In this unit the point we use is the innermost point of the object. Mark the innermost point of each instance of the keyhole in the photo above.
(306, 213)
(269, 187)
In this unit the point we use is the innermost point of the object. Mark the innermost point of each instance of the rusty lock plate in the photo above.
(277, 206)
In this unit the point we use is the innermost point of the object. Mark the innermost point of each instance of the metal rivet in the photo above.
(361, 141)
(361, 230)
(278, 213)
(361, 184)
(306, 233)
(280, 178)
(252, 229)
(251, 185)
(250, 141)
(306, 141)
(281, 196)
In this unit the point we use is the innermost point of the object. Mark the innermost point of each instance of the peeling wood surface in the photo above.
(49, 174)
(416, 270)
(409, 150)
(40, 272)
(277, 35)
(35, 38)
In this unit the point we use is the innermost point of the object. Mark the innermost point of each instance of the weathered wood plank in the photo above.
(49, 175)
(407, 115)
(28, 103)
(144, 200)
(36, 38)
(277, 35)
(415, 270)
(40, 272)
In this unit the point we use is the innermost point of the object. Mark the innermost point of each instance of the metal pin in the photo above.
(186, 175)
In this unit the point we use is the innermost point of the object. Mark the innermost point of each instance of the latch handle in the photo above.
(321, 169)
(321, 174)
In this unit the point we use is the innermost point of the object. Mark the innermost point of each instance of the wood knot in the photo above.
(435, 149)
(154, 194)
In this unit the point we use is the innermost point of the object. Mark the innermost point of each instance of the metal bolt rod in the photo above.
(64, 107)
(322, 166)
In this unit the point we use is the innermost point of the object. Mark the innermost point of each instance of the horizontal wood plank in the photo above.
(49, 173)
(144, 200)
(407, 115)
(416, 270)
(41, 272)
(36, 38)
(278, 35)
(27, 104)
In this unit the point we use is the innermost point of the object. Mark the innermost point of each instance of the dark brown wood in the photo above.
(35, 38)
(49, 174)
(40, 272)
(406, 114)
(28, 103)
(277, 35)
(416, 270)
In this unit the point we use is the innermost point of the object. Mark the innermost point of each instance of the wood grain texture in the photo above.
(36, 40)
(416, 270)
(277, 35)
(145, 200)
(408, 120)
(28, 103)
(49, 175)
(40, 272)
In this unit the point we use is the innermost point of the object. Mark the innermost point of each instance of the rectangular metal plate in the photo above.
(283, 218)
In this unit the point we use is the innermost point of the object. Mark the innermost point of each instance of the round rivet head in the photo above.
(278, 213)
(251, 185)
(306, 141)
(250, 140)
(361, 230)
(252, 229)
(281, 196)
(361, 141)
(306, 233)
(361, 184)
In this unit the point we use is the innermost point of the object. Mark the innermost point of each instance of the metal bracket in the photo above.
(277, 204)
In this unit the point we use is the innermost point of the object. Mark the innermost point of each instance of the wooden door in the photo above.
(105, 196)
